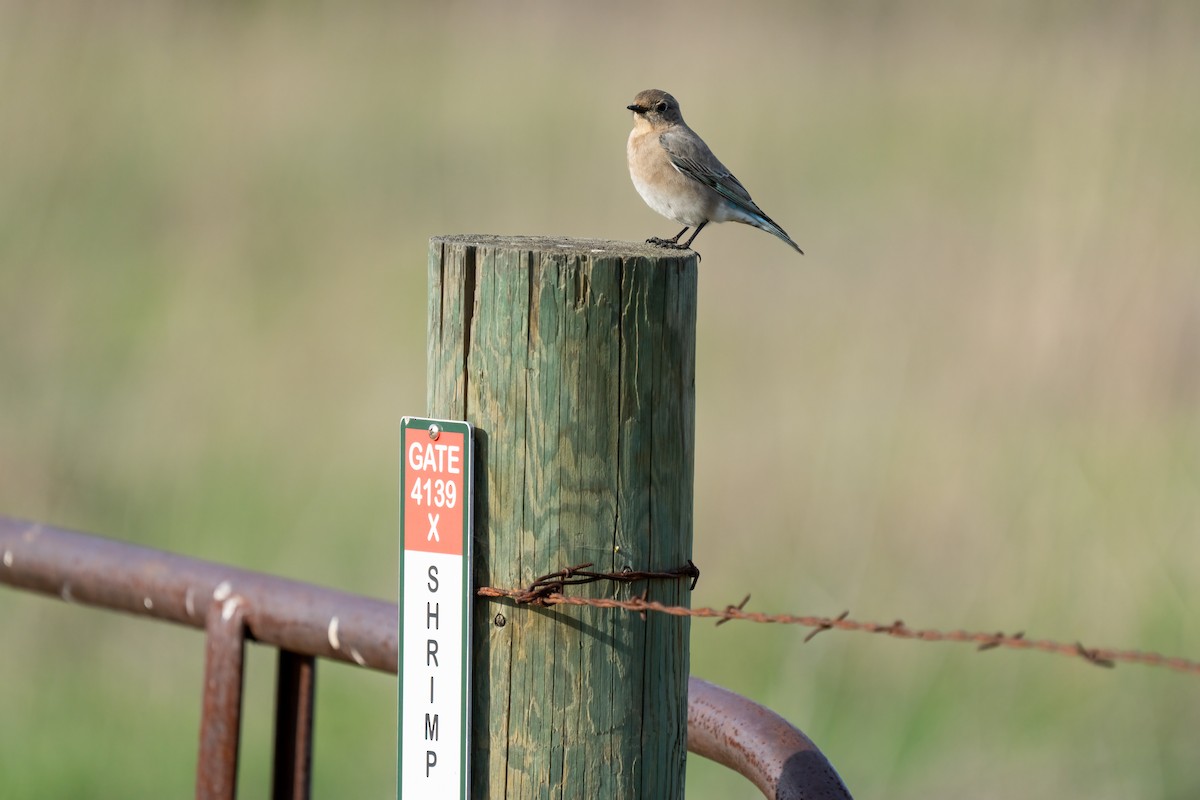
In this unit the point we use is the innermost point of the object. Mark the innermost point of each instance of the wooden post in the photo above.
(575, 359)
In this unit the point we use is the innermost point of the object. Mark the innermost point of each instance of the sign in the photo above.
(436, 503)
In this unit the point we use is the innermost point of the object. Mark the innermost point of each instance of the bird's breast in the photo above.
(664, 188)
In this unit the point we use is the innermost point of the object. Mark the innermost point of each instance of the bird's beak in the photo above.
(635, 108)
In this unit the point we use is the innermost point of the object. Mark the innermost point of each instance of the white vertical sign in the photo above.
(435, 608)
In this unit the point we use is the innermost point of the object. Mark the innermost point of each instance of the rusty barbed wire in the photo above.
(553, 583)
(548, 591)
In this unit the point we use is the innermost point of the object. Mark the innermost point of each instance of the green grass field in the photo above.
(977, 396)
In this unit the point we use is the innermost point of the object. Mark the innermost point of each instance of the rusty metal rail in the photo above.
(306, 622)
(763, 746)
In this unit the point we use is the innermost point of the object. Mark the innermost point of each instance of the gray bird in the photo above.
(679, 177)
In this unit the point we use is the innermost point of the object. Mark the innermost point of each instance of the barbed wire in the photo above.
(548, 591)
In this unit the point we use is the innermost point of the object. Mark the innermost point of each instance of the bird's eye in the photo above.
(661, 106)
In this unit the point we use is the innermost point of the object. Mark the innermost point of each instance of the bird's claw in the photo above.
(670, 245)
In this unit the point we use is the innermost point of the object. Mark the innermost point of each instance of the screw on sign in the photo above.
(434, 607)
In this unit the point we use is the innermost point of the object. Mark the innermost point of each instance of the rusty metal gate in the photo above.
(305, 622)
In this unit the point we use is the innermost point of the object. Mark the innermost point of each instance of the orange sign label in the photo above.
(434, 492)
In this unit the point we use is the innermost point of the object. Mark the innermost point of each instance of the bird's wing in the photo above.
(691, 156)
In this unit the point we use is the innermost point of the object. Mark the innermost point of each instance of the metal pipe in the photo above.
(284, 613)
(758, 743)
(294, 692)
(221, 714)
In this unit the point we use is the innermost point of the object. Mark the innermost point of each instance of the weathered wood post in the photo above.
(575, 359)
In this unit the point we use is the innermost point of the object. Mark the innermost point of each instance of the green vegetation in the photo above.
(978, 394)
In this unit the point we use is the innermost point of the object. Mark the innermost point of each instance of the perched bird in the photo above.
(680, 178)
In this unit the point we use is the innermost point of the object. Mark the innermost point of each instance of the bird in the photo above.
(679, 177)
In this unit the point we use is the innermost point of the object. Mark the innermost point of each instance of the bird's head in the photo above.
(655, 107)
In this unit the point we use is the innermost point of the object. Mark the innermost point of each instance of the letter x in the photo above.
(433, 531)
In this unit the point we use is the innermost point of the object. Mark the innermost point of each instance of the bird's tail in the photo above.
(763, 222)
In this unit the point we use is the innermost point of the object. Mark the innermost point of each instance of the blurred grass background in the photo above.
(978, 395)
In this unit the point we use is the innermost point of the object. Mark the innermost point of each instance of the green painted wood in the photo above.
(575, 360)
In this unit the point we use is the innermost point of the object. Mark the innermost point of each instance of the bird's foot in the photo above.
(671, 243)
